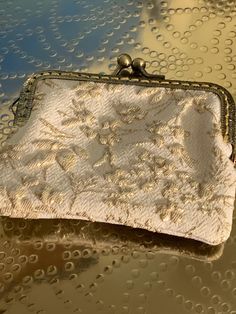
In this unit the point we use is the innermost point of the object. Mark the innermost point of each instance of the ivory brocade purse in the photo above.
(130, 148)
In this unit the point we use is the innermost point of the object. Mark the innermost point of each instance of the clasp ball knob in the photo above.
(138, 64)
(124, 60)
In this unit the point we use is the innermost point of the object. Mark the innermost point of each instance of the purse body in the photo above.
(151, 154)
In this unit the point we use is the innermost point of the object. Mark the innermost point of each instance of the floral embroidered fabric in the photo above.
(146, 157)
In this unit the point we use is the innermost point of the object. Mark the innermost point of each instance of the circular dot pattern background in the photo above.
(76, 267)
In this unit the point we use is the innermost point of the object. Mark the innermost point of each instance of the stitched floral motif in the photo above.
(215, 131)
(81, 185)
(199, 104)
(130, 113)
(53, 131)
(169, 212)
(66, 157)
(9, 155)
(132, 153)
(14, 199)
(150, 92)
(49, 196)
(53, 149)
(88, 89)
(80, 114)
(7, 204)
(114, 88)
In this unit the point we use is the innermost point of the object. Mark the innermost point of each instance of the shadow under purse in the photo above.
(28, 235)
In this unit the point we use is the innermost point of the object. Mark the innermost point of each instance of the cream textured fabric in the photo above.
(151, 158)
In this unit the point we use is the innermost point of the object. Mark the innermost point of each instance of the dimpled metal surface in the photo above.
(68, 266)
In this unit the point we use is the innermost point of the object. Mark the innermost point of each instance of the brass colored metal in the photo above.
(138, 65)
(123, 61)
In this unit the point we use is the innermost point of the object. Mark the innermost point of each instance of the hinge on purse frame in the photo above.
(137, 65)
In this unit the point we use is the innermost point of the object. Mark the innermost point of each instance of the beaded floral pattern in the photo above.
(145, 157)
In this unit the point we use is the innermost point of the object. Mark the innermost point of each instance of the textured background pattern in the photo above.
(76, 267)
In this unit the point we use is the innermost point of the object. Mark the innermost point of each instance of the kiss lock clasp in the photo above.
(138, 65)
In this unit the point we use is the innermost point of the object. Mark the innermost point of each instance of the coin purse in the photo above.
(131, 148)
